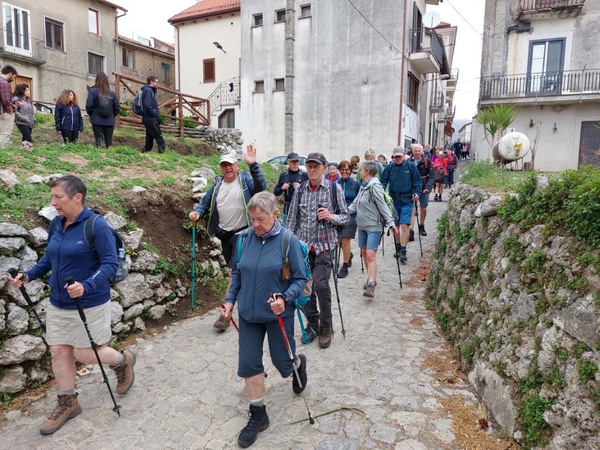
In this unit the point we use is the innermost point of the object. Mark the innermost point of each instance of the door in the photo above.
(545, 67)
(589, 144)
(23, 80)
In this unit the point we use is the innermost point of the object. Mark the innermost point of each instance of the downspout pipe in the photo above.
(290, 37)
(402, 74)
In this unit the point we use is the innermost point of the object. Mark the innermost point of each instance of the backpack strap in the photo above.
(240, 246)
(88, 231)
(52, 226)
(285, 244)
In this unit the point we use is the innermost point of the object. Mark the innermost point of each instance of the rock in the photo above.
(133, 239)
(23, 347)
(34, 179)
(10, 245)
(580, 321)
(115, 221)
(203, 172)
(133, 289)
(28, 258)
(119, 327)
(139, 324)
(50, 178)
(138, 189)
(34, 289)
(14, 380)
(40, 308)
(116, 312)
(133, 311)
(146, 261)
(488, 207)
(199, 187)
(38, 374)
(155, 280)
(48, 212)
(156, 312)
(12, 230)
(17, 319)
(181, 289)
(8, 179)
(38, 237)
(148, 303)
(162, 292)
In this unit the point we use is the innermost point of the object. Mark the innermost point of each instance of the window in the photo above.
(208, 66)
(413, 92)
(166, 72)
(259, 86)
(227, 119)
(545, 66)
(93, 21)
(95, 63)
(16, 30)
(257, 20)
(54, 35)
(305, 11)
(280, 15)
(128, 58)
(279, 84)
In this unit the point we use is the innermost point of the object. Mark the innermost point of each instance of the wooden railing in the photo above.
(180, 107)
(536, 5)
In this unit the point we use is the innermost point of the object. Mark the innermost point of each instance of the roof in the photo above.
(206, 8)
(113, 5)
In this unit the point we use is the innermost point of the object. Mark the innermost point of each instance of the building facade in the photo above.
(542, 57)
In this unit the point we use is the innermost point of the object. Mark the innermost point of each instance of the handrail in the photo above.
(537, 5)
(226, 93)
(436, 46)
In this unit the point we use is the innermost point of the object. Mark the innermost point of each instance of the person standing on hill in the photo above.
(151, 115)
(24, 115)
(67, 116)
(289, 182)
(102, 106)
(7, 112)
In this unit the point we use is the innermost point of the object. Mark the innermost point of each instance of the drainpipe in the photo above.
(402, 75)
(290, 36)
(178, 65)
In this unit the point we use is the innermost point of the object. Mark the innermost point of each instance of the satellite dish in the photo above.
(431, 20)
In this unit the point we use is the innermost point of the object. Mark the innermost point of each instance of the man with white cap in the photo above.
(405, 186)
(226, 203)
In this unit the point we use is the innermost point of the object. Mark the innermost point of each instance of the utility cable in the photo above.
(373, 26)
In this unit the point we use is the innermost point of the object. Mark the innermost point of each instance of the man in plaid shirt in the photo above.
(312, 216)
(7, 113)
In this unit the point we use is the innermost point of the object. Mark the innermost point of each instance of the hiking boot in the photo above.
(422, 231)
(403, 257)
(367, 283)
(436, 198)
(324, 337)
(124, 372)
(369, 290)
(259, 421)
(161, 150)
(343, 273)
(313, 325)
(411, 235)
(67, 408)
(350, 260)
(221, 324)
(440, 198)
(302, 374)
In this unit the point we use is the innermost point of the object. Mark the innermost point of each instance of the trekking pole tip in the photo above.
(117, 409)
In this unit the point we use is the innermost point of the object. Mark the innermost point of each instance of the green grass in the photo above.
(483, 175)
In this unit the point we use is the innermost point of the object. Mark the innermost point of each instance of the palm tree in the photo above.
(495, 120)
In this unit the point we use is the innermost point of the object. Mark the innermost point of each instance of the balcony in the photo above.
(437, 103)
(450, 112)
(451, 82)
(549, 9)
(441, 118)
(569, 86)
(427, 51)
(432, 2)
(28, 51)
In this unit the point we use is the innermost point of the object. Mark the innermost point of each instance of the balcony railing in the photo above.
(450, 111)
(437, 102)
(427, 40)
(547, 84)
(22, 48)
(539, 5)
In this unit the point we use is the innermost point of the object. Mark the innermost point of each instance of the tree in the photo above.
(495, 120)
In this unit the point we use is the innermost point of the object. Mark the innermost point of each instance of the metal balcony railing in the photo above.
(22, 48)
(450, 111)
(225, 94)
(541, 84)
(437, 102)
(539, 5)
(427, 40)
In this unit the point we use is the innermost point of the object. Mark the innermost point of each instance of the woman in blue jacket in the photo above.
(67, 116)
(67, 255)
(102, 106)
(263, 291)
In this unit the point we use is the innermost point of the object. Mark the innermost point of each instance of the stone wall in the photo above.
(522, 308)
(224, 140)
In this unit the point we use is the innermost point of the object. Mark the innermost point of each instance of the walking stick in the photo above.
(193, 263)
(232, 321)
(13, 273)
(419, 226)
(117, 408)
(397, 261)
(362, 267)
(335, 279)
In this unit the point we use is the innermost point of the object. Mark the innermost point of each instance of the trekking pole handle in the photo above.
(70, 281)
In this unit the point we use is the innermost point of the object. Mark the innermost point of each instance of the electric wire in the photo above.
(373, 26)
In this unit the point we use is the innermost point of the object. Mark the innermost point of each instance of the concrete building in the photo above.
(208, 55)
(542, 57)
(59, 45)
(330, 76)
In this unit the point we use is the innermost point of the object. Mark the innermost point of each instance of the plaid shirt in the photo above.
(6, 97)
(302, 215)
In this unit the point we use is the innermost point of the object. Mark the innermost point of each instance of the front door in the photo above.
(23, 80)
(589, 144)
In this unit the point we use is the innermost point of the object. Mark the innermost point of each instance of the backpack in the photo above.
(388, 201)
(439, 173)
(88, 235)
(105, 106)
(137, 106)
(285, 270)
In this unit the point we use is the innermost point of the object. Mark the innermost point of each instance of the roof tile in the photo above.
(205, 8)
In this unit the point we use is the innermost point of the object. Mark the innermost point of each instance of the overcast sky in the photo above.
(148, 18)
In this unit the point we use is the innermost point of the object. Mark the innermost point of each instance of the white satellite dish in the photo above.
(431, 20)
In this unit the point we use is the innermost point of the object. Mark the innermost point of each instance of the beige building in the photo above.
(542, 56)
(59, 44)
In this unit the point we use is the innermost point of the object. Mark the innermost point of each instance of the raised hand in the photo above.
(250, 154)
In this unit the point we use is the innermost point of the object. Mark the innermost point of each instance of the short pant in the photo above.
(369, 239)
(64, 326)
(424, 200)
(404, 212)
(349, 230)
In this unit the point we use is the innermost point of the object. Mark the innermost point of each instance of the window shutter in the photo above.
(209, 70)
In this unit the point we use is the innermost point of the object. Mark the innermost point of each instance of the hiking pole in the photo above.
(419, 226)
(231, 320)
(193, 262)
(362, 267)
(335, 280)
(289, 350)
(397, 261)
(13, 273)
(117, 408)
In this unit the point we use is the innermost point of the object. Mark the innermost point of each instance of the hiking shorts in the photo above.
(424, 200)
(369, 239)
(250, 343)
(404, 212)
(349, 229)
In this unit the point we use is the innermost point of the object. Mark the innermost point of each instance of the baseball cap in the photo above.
(228, 158)
(399, 151)
(316, 157)
(293, 157)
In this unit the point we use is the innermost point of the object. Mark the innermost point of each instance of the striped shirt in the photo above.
(302, 215)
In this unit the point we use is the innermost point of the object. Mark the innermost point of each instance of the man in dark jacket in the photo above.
(425, 169)
(151, 116)
(289, 182)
